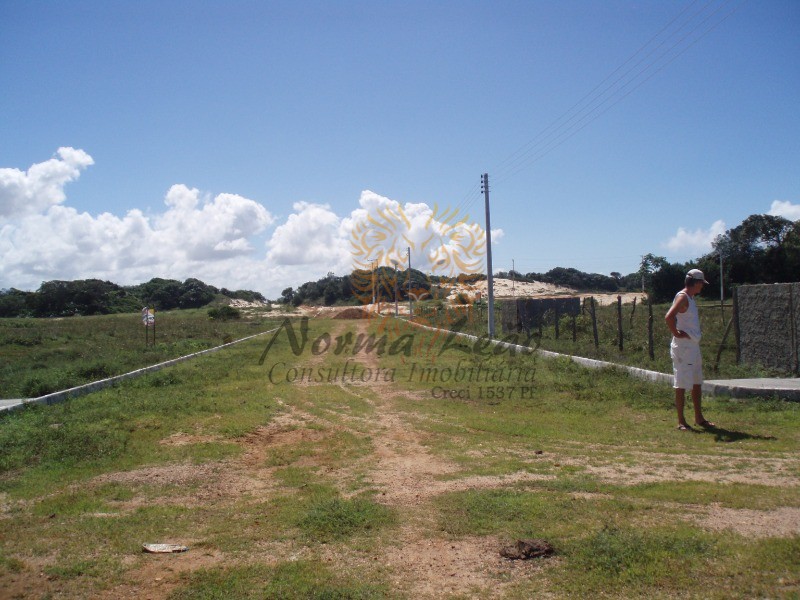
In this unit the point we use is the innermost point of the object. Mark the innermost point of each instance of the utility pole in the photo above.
(410, 306)
(513, 275)
(642, 265)
(372, 265)
(490, 278)
(396, 310)
(721, 290)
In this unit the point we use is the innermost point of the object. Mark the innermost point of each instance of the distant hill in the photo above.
(97, 297)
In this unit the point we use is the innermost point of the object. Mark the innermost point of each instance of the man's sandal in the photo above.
(684, 428)
(705, 423)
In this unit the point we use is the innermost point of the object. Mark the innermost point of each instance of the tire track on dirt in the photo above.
(409, 476)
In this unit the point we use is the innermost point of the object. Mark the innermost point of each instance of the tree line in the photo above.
(360, 286)
(97, 297)
(762, 249)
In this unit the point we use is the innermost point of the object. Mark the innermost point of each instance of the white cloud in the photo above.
(42, 186)
(311, 235)
(697, 241)
(42, 239)
(212, 238)
(785, 209)
(211, 229)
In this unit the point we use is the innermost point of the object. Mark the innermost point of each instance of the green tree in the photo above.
(287, 296)
(16, 303)
(194, 294)
(759, 250)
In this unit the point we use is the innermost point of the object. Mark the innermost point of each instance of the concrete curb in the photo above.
(788, 389)
(88, 388)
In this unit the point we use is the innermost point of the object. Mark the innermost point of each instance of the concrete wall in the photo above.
(768, 325)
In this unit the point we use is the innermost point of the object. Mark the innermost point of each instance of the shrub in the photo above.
(224, 313)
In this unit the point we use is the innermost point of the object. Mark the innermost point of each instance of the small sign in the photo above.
(149, 321)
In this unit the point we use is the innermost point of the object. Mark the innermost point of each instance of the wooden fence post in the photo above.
(721, 344)
(619, 320)
(650, 329)
(540, 318)
(558, 316)
(735, 319)
(594, 324)
(633, 312)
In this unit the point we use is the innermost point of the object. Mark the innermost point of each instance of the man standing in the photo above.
(687, 362)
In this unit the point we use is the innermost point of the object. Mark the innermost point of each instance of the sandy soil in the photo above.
(504, 289)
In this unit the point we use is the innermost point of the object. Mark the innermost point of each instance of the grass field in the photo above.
(47, 355)
(319, 474)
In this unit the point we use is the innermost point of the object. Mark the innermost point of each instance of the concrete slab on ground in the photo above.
(765, 387)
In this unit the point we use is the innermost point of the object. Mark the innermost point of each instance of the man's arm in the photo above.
(681, 304)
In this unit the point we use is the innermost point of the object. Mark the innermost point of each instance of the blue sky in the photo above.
(238, 142)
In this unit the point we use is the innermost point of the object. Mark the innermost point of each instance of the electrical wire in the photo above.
(604, 97)
(523, 149)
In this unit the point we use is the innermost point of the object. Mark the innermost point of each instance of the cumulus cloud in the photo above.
(697, 241)
(41, 238)
(62, 243)
(42, 185)
(312, 234)
(208, 230)
(785, 209)
(213, 238)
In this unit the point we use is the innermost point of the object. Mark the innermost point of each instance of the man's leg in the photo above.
(699, 419)
(680, 399)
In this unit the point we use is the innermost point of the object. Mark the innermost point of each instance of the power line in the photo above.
(552, 125)
(604, 97)
(468, 199)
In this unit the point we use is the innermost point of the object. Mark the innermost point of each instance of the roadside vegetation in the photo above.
(47, 355)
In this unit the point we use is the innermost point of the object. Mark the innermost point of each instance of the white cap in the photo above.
(697, 274)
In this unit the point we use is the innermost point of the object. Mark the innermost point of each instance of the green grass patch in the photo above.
(10, 565)
(730, 495)
(300, 580)
(526, 513)
(336, 518)
(634, 561)
(81, 568)
(296, 477)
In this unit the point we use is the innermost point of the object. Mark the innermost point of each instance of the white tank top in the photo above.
(688, 321)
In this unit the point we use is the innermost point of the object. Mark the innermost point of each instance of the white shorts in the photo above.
(687, 365)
